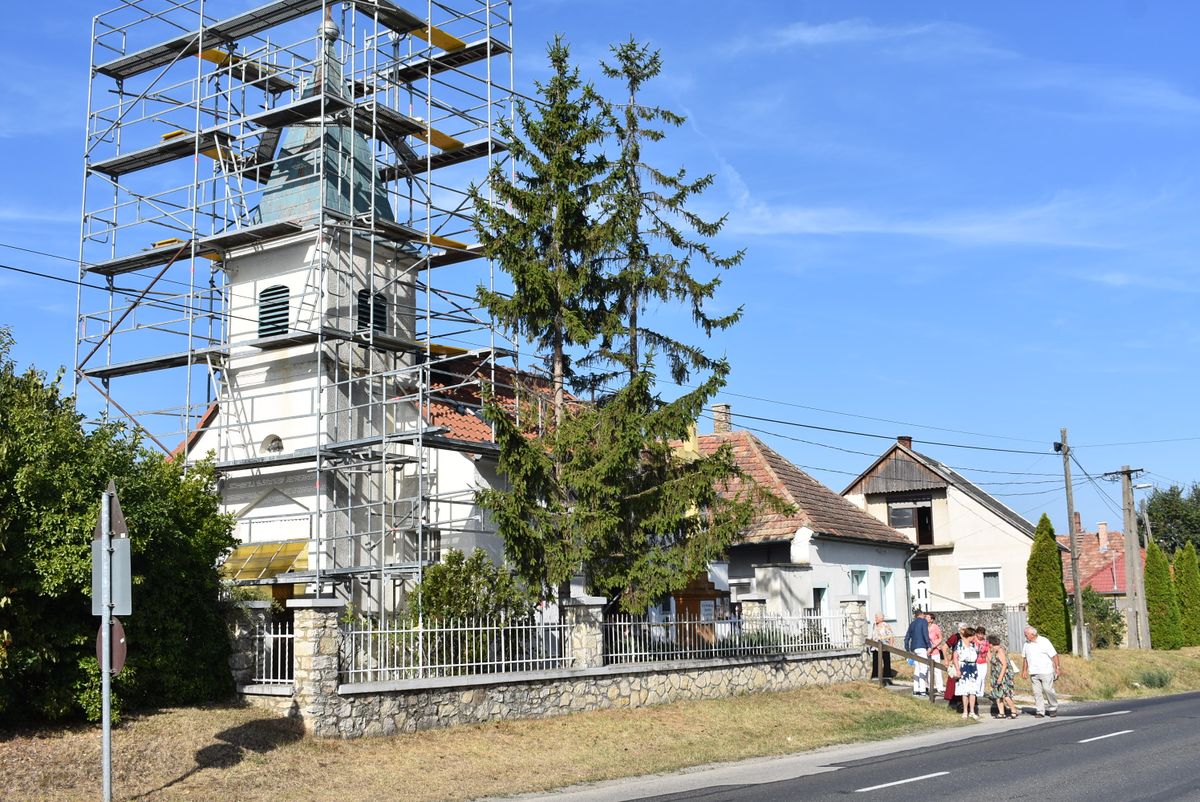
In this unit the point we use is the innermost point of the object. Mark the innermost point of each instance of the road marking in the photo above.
(902, 782)
(1102, 737)
(1099, 715)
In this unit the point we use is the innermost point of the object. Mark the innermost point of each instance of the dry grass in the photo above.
(239, 753)
(1125, 673)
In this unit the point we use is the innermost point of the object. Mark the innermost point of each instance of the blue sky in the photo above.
(971, 223)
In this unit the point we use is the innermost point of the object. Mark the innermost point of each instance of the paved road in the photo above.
(1145, 750)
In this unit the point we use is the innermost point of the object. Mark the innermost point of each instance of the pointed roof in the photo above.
(294, 189)
(1101, 561)
(901, 469)
(816, 506)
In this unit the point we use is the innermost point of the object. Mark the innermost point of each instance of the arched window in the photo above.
(371, 311)
(273, 311)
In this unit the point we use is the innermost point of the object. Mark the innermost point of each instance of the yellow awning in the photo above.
(265, 560)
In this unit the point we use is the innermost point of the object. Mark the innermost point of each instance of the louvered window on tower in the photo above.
(372, 311)
(273, 311)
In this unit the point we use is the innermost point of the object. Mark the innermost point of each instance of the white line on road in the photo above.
(1102, 737)
(1099, 715)
(901, 782)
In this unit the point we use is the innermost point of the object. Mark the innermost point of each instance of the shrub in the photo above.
(1155, 677)
(1106, 624)
(1161, 605)
(1187, 591)
(1047, 596)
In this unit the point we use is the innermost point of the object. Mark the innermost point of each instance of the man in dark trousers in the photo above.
(916, 639)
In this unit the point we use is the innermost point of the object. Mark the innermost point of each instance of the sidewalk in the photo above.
(1024, 701)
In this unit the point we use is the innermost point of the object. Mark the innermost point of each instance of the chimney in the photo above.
(1078, 525)
(1102, 530)
(721, 417)
(905, 440)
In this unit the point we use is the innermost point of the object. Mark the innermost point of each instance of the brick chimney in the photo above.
(721, 419)
(905, 440)
(1078, 525)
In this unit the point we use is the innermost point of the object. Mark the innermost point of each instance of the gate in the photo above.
(1018, 619)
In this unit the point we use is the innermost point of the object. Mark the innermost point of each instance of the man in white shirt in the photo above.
(1041, 665)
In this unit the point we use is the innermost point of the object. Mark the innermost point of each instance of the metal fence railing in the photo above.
(375, 652)
(637, 639)
(274, 653)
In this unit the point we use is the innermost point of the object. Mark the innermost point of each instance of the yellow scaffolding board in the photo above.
(253, 561)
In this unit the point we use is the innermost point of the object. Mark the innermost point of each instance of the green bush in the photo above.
(1161, 604)
(1047, 596)
(1187, 591)
(1155, 678)
(1106, 624)
(52, 473)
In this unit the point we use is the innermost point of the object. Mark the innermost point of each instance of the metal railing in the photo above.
(372, 652)
(274, 653)
(637, 639)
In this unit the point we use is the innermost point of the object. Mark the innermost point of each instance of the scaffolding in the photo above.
(276, 265)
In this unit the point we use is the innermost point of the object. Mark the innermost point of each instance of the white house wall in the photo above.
(981, 540)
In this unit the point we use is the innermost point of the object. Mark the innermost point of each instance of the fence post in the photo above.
(585, 618)
(318, 638)
(245, 617)
(854, 609)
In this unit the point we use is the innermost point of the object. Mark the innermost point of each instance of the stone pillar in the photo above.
(318, 638)
(854, 608)
(244, 620)
(585, 616)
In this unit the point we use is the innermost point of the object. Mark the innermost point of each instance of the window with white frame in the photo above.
(887, 595)
(980, 583)
(858, 581)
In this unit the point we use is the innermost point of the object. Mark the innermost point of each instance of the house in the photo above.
(1102, 564)
(807, 561)
(971, 548)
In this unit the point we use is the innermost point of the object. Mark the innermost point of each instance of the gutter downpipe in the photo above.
(908, 582)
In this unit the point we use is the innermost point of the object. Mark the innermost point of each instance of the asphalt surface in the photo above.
(1145, 750)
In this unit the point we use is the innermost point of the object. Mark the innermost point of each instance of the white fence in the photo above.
(372, 652)
(635, 639)
(274, 651)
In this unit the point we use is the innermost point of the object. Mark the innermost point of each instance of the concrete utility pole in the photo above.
(1135, 583)
(1085, 650)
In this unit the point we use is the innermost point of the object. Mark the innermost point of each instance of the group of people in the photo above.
(976, 665)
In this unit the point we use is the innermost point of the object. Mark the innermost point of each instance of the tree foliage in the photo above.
(1106, 624)
(470, 587)
(1162, 607)
(1174, 515)
(51, 475)
(1048, 609)
(1187, 592)
(605, 490)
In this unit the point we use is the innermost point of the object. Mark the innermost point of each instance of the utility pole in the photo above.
(1135, 588)
(1080, 634)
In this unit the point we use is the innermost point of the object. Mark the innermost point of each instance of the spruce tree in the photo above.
(1048, 610)
(1187, 591)
(1161, 605)
(539, 227)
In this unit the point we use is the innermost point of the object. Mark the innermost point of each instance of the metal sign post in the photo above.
(111, 586)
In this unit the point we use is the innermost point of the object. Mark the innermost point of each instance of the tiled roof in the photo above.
(455, 399)
(1101, 561)
(817, 507)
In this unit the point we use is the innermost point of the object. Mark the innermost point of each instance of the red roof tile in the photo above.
(1101, 561)
(817, 507)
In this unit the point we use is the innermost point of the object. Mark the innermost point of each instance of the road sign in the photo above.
(119, 647)
(121, 579)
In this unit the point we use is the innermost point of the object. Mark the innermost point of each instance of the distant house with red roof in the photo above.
(1102, 564)
(808, 560)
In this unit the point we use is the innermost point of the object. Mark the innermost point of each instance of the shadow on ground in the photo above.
(257, 737)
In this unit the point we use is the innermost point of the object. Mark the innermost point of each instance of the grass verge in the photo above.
(1126, 673)
(240, 753)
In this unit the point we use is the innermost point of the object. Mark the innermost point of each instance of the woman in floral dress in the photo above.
(970, 678)
(1001, 690)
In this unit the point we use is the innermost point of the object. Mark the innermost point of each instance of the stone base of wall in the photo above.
(357, 711)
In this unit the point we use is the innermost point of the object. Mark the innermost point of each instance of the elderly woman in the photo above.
(882, 632)
(948, 649)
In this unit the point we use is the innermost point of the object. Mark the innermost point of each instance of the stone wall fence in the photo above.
(329, 707)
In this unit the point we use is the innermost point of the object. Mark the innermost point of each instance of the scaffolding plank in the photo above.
(167, 150)
(248, 71)
(152, 257)
(295, 457)
(454, 256)
(226, 31)
(238, 237)
(427, 66)
(385, 120)
(153, 363)
(418, 164)
(308, 108)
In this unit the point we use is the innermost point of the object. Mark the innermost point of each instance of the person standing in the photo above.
(916, 640)
(1001, 673)
(969, 682)
(883, 632)
(1042, 669)
(935, 652)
